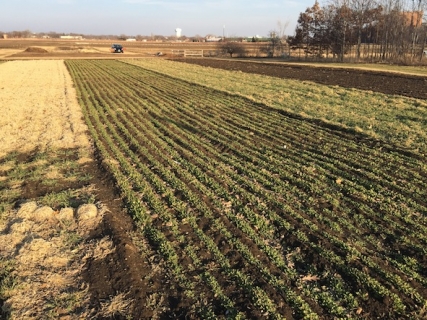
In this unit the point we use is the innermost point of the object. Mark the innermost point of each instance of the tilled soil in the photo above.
(126, 270)
(384, 82)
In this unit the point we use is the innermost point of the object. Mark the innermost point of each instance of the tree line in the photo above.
(368, 30)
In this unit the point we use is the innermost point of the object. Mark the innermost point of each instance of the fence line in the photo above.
(188, 53)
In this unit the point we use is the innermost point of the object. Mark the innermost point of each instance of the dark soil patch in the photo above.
(36, 50)
(384, 82)
(120, 271)
(126, 270)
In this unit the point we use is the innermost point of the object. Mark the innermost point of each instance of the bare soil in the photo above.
(24, 49)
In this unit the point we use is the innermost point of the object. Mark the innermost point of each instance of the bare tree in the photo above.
(392, 28)
(423, 38)
(362, 11)
(281, 28)
(278, 39)
(274, 44)
(312, 31)
(231, 47)
(417, 28)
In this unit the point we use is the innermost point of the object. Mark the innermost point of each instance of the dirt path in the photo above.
(4, 53)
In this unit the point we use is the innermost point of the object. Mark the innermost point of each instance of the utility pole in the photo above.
(223, 32)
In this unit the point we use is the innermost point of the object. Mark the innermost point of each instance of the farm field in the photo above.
(404, 81)
(20, 49)
(251, 196)
(390, 117)
(256, 210)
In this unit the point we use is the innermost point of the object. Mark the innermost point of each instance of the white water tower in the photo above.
(178, 32)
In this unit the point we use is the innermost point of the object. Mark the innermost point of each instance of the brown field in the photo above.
(400, 83)
(62, 49)
(42, 113)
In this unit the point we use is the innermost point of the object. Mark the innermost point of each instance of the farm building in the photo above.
(213, 39)
(72, 37)
(413, 18)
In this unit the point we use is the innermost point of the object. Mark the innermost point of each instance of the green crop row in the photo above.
(396, 119)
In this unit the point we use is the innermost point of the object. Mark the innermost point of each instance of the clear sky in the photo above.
(146, 17)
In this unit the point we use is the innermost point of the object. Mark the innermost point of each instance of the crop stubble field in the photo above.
(44, 148)
(256, 208)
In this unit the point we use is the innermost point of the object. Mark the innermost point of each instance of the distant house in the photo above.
(413, 18)
(131, 39)
(72, 37)
(213, 39)
(5, 36)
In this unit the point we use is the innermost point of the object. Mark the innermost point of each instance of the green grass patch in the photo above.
(8, 281)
